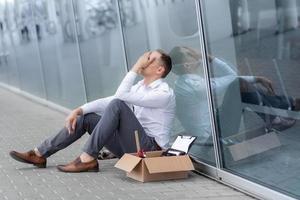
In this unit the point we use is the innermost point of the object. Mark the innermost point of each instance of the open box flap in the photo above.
(169, 164)
(128, 162)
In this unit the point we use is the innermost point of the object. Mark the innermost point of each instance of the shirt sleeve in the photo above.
(220, 84)
(97, 106)
(249, 79)
(221, 68)
(153, 99)
(126, 83)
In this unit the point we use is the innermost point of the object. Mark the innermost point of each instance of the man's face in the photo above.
(155, 68)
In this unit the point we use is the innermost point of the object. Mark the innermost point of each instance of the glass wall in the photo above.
(8, 66)
(253, 59)
(58, 47)
(20, 20)
(100, 42)
(172, 26)
(65, 51)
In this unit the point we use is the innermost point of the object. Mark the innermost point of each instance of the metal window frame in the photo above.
(74, 20)
(122, 34)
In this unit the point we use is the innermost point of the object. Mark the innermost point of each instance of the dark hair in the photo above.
(166, 61)
(182, 55)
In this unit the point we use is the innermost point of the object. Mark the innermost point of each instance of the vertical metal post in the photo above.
(208, 85)
(39, 53)
(12, 44)
(122, 36)
(75, 18)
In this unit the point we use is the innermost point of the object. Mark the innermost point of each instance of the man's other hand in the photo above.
(71, 120)
(267, 84)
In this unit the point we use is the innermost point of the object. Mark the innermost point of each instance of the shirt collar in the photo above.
(155, 83)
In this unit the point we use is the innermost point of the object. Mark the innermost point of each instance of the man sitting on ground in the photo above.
(148, 106)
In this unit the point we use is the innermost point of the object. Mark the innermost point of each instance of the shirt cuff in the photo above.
(132, 74)
(249, 79)
(85, 109)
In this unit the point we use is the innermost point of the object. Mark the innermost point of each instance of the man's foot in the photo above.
(78, 166)
(29, 157)
(282, 123)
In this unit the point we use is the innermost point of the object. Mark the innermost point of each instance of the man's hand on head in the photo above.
(143, 62)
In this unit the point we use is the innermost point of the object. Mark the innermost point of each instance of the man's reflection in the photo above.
(229, 90)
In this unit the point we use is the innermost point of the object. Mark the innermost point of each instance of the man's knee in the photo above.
(80, 119)
(83, 121)
(88, 121)
(116, 103)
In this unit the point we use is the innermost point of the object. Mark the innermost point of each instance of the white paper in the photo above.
(182, 143)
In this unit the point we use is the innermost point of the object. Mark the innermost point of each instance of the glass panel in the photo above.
(55, 32)
(3, 45)
(24, 38)
(100, 46)
(8, 65)
(172, 26)
(253, 52)
(7, 52)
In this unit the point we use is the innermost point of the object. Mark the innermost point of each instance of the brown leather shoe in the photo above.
(29, 157)
(78, 166)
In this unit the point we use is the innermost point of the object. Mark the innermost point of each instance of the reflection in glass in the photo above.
(257, 108)
(55, 32)
(100, 41)
(8, 66)
(192, 108)
(46, 42)
(3, 46)
(27, 53)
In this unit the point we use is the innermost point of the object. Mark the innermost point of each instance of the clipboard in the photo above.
(181, 146)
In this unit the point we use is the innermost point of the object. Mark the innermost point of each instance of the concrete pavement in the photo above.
(23, 124)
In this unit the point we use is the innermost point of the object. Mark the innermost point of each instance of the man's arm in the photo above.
(126, 84)
(153, 99)
(97, 106)
(221, 68)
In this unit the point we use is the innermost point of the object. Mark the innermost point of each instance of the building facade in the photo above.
(235, 73)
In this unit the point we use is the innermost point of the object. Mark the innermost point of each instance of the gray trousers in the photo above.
(114, 130)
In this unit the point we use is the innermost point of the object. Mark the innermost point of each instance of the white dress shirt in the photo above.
(153, 106)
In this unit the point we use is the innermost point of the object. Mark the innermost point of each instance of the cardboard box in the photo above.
(155, 167)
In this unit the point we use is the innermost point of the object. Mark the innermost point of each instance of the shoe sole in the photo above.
(89, 170)
(17, 158)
